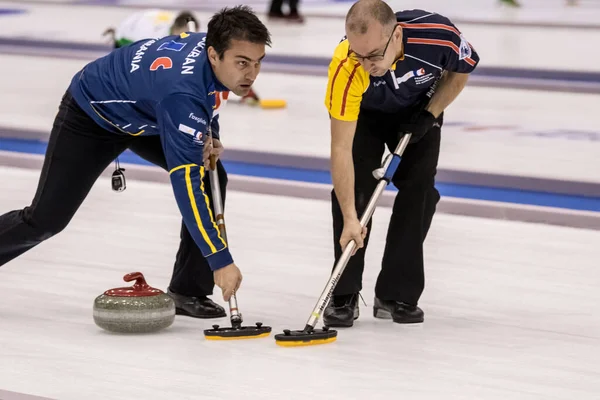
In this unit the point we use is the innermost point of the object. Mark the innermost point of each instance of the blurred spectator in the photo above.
(515, 3)
(276, 12)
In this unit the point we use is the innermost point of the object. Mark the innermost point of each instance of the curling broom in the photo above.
(236, 331)
(309, 335)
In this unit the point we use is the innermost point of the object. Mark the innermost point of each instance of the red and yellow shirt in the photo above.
(432, 44)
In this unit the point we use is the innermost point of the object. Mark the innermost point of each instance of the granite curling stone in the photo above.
(136, 309)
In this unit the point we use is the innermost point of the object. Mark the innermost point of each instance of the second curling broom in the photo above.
(310, 335)
(236, 331)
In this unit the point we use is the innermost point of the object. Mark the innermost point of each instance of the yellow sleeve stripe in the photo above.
(212, 219)
(188, 183)
(182, 167)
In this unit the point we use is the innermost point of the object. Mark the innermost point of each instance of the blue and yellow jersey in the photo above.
(164, 87)
(432, 44)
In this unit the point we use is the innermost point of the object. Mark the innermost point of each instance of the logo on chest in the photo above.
(420, 76)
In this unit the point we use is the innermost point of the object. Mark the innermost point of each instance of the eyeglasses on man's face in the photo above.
(373, 57)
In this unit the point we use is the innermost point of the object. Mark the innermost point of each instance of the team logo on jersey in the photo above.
(197, 135)
(171, 45)
(410, 74)
(420, 75)
(198, 119)
(465, 49)
(161, 62)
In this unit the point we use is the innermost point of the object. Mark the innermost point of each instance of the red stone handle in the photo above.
(140, 282)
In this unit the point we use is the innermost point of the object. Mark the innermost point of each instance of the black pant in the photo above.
(276, 5)
(402, 276)
(78, 151)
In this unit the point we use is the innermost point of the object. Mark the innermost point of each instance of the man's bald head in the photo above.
(364, 12)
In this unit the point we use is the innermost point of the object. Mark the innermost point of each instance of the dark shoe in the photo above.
(341, 311)
(197, 307)
(291, 17)
(401, 313)
(295, 17)
(276, 15)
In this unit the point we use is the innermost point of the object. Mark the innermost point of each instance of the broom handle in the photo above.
(389, 168)
(384, 174)
(235, 315)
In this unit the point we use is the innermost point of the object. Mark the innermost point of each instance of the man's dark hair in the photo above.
(237, 23)
(364, 11)
(182, 20)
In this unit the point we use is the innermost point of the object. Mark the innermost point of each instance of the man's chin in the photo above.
(242, 90)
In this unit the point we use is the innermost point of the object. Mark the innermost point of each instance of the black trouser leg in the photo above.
(367, 151)
(402, 276)
(78, 152)
(275, 7)
(192, 275)
(293, 6)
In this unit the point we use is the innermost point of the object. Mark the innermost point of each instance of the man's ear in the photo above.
(213, 56)
(399, 32)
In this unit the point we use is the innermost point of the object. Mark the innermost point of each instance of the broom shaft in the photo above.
(385, 176)
(389, 166)
(235, 315)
